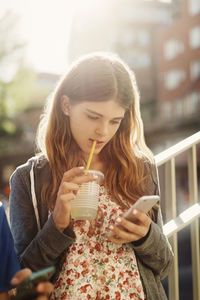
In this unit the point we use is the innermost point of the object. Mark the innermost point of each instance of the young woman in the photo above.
(96, 100)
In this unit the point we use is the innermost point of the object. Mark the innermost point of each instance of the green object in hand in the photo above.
(27, 290)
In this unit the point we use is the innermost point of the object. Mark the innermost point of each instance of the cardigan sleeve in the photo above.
(34, 249)
(155, 251)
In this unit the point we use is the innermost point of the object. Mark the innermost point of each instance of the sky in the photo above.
(45, 26)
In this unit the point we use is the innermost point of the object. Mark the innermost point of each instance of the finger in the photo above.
(69, 187)
(117, 240)
(124, 235)
(42, 297)
(128, 225)
(86, 177)
(140, 228)
(20, 276)
(70, 174)
(120, 233)
(78, 176)
(45, 288)
(142, 217)
(67, 197)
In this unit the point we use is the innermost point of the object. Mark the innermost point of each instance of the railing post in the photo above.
(170, 200)
(194, 228)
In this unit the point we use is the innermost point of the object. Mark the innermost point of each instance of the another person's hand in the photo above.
(44, 289)
(67, 191)
(131, 232)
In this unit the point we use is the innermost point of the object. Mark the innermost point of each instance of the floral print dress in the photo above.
(96, 268)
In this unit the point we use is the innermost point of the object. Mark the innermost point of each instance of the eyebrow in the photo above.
(99, 115)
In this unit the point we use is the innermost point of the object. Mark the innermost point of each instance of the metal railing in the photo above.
(189, 217)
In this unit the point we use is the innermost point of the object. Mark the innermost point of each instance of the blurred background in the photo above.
(160, 41)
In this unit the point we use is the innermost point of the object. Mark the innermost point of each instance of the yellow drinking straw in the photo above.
(91, 154)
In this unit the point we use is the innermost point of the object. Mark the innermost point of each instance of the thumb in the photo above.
(20, 276)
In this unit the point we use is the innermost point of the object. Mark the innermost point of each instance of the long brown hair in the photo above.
(97, 77)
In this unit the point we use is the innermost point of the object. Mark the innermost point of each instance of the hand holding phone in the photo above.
(27, 290)
(144, 203)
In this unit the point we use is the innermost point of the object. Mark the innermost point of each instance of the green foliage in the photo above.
(9, 127)
(19, 89)
(16, 80)
(10, 46)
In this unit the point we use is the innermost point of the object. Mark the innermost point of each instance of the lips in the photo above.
(96, 141)
(99, 143)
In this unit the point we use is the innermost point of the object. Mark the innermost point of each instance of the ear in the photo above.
(65, 105)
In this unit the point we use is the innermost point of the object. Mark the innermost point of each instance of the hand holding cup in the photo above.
(67, 191)
(85, 204)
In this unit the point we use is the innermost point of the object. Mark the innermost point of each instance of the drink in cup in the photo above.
(85, 205)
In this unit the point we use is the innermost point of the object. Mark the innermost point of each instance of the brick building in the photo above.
(160, 41)
(178, 74)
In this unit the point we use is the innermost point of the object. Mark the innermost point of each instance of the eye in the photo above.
(115, 122)
(92, 118)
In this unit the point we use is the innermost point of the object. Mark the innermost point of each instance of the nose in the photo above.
(102, 130)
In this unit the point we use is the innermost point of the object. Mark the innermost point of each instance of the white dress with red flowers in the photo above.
(95, 268)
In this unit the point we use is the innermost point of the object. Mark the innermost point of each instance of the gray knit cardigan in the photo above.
(38, 249)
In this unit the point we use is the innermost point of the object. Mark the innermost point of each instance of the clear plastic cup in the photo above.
(85, 205)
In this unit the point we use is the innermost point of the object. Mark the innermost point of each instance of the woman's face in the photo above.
(91, 121)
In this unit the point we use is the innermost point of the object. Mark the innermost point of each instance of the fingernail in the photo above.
(14, 281)
(118, 220)
(82, 168)
(134, 211)
(40, 287)
(95, 176)
(111, 227)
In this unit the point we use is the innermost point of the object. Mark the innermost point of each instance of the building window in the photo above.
(192, 103)
(195, 37)
(167, 111)
(173, 48)
(143, 38)
(127, 38)
(139, 38)
(195, 101)
(195, 70)
(174, 78)
(179, 110)
(194, 7)
(138, 60)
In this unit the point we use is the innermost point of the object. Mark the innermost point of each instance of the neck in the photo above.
(97, 164)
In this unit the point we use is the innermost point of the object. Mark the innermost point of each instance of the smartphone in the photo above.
(144, 203)
(27, 290)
